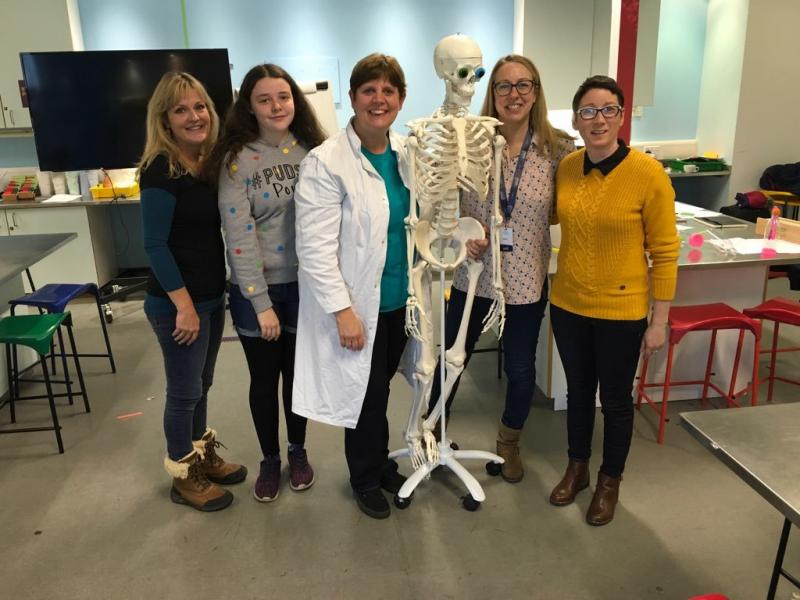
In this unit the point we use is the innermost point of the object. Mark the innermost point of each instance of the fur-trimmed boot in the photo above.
(216, 469)
(508, 449)
(191, 486)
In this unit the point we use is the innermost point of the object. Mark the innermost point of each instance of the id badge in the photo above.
(506, 239)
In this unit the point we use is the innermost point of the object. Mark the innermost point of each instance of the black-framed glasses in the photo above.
(524, 87)
(587, 113)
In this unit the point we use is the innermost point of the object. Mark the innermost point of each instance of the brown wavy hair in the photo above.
(547, 135)
(241, 125)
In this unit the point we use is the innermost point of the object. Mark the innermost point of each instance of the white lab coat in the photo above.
(341, 225)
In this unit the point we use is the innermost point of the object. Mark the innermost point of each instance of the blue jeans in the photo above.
(190, 372)
(285, 300)
(520, 336)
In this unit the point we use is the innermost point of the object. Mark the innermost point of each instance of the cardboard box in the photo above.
(788, 229)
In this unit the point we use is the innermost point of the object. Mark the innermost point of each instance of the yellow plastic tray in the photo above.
(107, 193)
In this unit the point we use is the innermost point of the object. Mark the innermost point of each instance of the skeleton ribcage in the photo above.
(447, 163)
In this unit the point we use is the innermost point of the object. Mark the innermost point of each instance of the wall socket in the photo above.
(653, 151)
(638, 111)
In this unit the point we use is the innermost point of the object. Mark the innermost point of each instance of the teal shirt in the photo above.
(394, 281)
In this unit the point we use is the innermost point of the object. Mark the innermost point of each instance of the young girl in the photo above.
(184, 301)
(268, 131)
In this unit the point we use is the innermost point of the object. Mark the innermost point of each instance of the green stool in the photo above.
(36, 332)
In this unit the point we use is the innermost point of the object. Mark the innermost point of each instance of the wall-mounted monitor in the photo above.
(88, 108)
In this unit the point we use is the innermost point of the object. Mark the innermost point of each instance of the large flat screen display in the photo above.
(88, 108)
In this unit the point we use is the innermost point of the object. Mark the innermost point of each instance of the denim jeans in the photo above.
(189, 372)
(600, 352)
(285, 300)
(520, 336)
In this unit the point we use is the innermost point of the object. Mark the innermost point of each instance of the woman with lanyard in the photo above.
(532, 155)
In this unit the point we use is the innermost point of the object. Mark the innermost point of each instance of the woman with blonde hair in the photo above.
(527, 190)
(184, 301)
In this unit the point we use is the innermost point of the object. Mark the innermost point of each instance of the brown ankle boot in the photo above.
(217, 470)
(508, 449)
(575, 479)
(606, 494)
(191, 486)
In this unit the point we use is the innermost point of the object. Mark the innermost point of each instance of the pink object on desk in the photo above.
(696, 240)
(768, 253)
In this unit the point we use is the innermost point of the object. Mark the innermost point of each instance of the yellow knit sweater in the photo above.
(607, 224)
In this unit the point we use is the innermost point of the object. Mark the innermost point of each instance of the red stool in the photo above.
(780, 311)
(703, 317)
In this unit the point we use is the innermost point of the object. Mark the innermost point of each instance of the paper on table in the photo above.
(683, 227)
(755, 246)
(706, 213)
(63, 198)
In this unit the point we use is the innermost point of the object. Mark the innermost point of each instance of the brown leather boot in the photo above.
(575, 479)
(217, 470)
(191, 486)
(508, 449)
(606, 494)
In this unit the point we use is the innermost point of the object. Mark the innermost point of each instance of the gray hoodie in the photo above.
(256, 202)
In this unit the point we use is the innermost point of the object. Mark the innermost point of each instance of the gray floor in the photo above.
(96, 522)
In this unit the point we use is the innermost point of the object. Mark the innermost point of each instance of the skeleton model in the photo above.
(450, 153)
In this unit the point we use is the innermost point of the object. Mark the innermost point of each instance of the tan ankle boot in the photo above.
(191, 486)
(606, 495)
(216, 469)
(508, 449)
(575, 479)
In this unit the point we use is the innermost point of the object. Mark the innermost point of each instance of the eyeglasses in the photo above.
(524, 87)
(587, 113)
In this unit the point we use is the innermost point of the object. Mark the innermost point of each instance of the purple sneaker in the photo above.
(268, 482)
(301, 473)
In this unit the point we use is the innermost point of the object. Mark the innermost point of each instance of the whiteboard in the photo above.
(320, 96)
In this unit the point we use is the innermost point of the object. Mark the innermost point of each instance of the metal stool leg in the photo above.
(63, 349)
(662, 421)
(78, 365)
(11, 378)
(709, 363)
(53, 412)
(105, 330)
(772, 360)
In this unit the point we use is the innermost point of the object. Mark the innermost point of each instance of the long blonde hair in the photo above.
(547, 135)
(169, 91)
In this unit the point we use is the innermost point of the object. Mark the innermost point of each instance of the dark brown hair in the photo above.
(597, 82)
(378, 66)
(241, 126)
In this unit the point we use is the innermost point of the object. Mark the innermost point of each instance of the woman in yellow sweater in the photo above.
(616, 207)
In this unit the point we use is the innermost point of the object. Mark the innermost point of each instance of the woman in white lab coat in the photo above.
(351, 199)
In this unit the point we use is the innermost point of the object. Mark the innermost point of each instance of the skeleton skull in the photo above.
(458, 60)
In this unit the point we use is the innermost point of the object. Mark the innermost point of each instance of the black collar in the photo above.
(606, 165)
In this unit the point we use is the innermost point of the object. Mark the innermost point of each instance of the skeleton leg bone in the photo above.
(425, 365)
(454, 358)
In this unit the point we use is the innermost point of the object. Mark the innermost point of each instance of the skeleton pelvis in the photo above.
(431, 247)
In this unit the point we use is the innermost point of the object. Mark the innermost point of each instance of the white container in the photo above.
(59, 183)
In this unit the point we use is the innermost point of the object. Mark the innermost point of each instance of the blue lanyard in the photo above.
(507, 201)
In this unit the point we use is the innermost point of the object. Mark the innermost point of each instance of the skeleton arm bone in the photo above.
(497, 312)
(411, 226)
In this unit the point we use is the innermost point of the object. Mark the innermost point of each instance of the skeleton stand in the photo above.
(447, 457)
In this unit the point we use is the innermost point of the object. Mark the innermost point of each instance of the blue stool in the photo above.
(36, 332)
(54, 298)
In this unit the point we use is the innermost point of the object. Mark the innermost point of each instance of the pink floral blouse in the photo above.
(525, 267)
